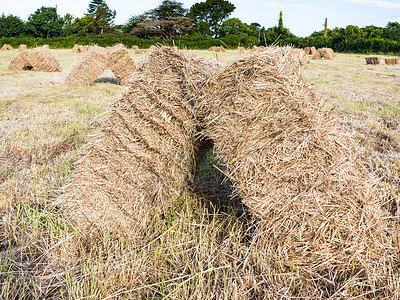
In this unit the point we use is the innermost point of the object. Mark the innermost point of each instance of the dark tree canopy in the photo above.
(168, 21)
(11, 26)
(101, 17)
(214, 12)
(45, 23)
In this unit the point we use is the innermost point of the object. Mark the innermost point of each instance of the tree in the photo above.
(280, 23)
(132, 23)
(11, 26)
(80, 26)
(167, 21)
(101, 17)
(236, 27)
(213, 12)
(45, 23)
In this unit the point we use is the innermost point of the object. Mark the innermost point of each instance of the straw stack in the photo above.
(42, 60)
(299, 174)
(89, 68)
(20, 63)
(392, 60)
(75, 49)
(121, 63)
(145, 153)
(241, 50)
(7, 47)
(310, 50)
(22, 47)
(325, 53)
(38, 59)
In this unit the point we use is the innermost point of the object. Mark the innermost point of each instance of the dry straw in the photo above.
(145, 153)
(325, 53)
(121, 63)
(97, 60)
(80, 49)
(381, 60)
(22, 47)
(38, 59)
(300, 175)
(7, 47)
(89, 68)
(135, 47)
(241, 50)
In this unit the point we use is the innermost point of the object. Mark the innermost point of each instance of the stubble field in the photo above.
(202, 248)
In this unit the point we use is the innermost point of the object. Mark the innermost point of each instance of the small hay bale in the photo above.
(144, 155)
(375, 60)
(75, 49)
(392, 60)
(83, 49)
(37, 59)
(89, 68)
(45, 46)
(301, 56)
(22, 47)
(313, 50)
(222, 49)
(325, 53)
(42, 60)
(299, 174)
(316, 55)
(7, 47)
(121, 63)
(241, 50)
(140, 51)
(135, 47)
(307, 50)
(20, 62)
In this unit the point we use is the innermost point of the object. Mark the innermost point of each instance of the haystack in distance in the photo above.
(97, 60)
(22, 47)
(7, 47)
(217, 49)
(145, 154)
(80, 48)
(325, 53)
(310, 50)
(37, 59)
(299, 174)
(381, 60)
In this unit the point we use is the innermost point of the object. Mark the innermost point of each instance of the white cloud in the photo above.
(378, 3)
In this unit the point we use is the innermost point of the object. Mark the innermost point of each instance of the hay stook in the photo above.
(145, 153)
(299, 174)
(37, 59)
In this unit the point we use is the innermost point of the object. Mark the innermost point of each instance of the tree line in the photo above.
(203, 25)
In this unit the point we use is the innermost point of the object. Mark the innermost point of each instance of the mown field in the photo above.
(202, 248)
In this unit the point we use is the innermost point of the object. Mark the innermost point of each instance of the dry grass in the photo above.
(201, 246)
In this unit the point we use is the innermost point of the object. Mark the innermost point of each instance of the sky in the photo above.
(301, 17)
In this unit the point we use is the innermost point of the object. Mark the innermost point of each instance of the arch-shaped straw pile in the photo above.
(97, 60)
(145, 153)
(299, 174)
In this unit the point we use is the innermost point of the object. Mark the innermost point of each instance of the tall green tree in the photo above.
(168, 21)
(235, 26)
(280, 23)
(45, 23)
(101, 17)
(213, 12)
(11, 26)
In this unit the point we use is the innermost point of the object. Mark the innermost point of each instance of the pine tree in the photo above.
(93, 5)
(280, 24)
